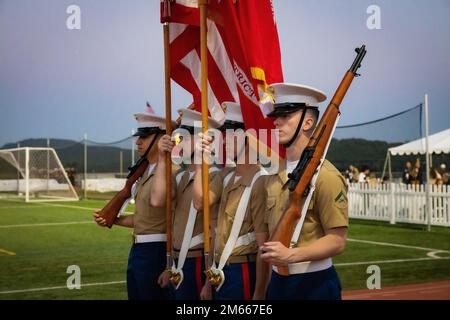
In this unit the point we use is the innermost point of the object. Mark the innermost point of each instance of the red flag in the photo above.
(149, 108)
(243, 54)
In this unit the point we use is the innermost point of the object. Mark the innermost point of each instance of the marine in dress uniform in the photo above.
(240, 225)
(147, 258)
(188, 237)
(324, 230)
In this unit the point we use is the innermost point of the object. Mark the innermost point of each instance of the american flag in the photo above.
(243, 54)
(149, 109)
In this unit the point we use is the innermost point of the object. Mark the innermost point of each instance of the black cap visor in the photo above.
(232, 125)
(145, 132)
(282, 109)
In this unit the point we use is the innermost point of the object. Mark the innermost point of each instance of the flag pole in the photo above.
(168, 103)
(204, 101)
(427, 166)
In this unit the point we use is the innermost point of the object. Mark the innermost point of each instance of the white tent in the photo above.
(438, 143)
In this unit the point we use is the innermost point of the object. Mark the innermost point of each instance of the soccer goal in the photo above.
(34, 174)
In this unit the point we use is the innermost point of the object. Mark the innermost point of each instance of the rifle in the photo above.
(302, 179)
(112, 208)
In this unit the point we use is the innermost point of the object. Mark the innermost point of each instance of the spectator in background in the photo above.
(349, 174)
(416, 174)
(446, 179)
(355, 174)
(406, 176)
(364, 174)
(442, 176)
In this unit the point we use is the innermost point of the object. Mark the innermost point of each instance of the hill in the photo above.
(104, 158)
(71, 154)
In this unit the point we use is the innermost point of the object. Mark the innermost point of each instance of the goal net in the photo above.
(34, 174)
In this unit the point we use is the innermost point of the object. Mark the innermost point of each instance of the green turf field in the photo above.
(39, 241)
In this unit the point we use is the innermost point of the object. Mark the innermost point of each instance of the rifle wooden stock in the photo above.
(112, 208)
(318, 142)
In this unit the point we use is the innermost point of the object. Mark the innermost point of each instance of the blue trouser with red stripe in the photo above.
(193, 281)
(145, 263)
(320, 285)
(239, 282)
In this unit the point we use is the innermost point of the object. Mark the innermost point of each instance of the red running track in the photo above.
(423, 291)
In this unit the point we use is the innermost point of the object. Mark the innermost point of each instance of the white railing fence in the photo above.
(399, 203)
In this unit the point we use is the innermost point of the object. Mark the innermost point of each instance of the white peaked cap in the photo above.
(232, 111)
(148, 120)
(192, 118)
(296, 93)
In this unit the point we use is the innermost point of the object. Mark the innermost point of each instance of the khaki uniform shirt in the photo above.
(182, 205)
(147, 219)
(328, 207)
(230, 196)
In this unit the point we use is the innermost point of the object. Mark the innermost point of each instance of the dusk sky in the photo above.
(60, 83)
